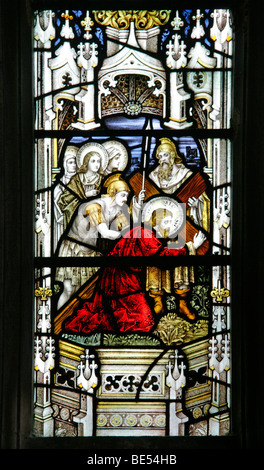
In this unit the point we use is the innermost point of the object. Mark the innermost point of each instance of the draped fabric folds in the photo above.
(119, 303)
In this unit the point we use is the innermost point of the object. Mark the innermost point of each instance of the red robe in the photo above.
(119, 303)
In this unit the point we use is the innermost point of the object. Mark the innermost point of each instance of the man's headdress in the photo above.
(115, 184)
(166, 145)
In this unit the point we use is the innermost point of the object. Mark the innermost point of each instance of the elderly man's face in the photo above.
(164, 158)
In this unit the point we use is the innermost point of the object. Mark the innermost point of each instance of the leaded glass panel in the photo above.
(133, 180)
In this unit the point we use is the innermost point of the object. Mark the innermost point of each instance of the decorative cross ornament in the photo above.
(67, 16)
(87, 379)
(198, 31)
(67, 31)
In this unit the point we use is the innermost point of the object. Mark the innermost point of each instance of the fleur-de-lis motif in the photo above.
(87, 23)
(218, 293)
(177, 22)
(44, 293)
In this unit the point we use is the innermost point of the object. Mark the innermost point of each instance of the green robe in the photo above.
(72, 197)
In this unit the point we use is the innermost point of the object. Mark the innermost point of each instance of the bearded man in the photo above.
(171, 174)
(172, 177)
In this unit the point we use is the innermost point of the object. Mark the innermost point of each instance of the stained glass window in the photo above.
(133, 155)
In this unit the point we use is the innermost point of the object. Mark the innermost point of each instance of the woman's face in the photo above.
(71, 165)
(114, 163)
(121, 198)
(94, 164)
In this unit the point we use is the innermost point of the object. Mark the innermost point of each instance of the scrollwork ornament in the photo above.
(121, 19)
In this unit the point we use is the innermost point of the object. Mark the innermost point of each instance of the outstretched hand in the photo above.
(198, 239)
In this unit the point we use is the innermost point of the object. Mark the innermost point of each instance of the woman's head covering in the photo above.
(70, 152)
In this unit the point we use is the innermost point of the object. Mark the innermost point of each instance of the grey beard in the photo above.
(164, 172)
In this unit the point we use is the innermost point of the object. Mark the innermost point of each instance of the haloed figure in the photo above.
(119, 302)
(85, 184)
(161, 221)
(89, 174)
(113, 161)
(158, 281)
(104, 217)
